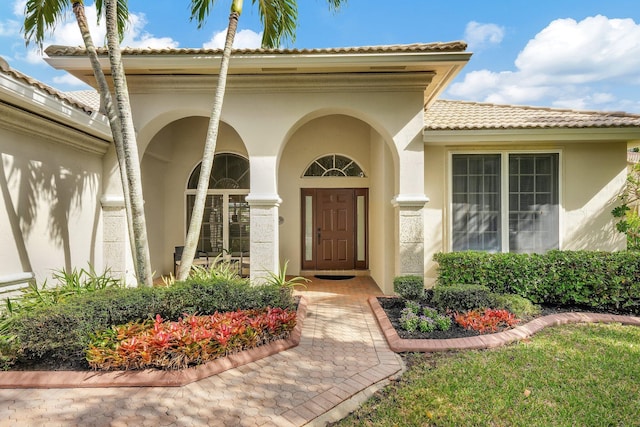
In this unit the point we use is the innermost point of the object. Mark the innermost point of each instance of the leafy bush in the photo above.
(462, 297)
(517, 305)
(409, 287)
(191, 340)
(487, 320)
(592, 279)
(61, 332)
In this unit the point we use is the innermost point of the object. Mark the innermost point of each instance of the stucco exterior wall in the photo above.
(50, 214)
(166, 166)
(591, 175)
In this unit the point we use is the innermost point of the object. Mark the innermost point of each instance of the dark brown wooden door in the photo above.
(335, 229)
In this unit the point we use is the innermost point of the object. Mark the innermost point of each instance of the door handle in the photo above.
(319, 235)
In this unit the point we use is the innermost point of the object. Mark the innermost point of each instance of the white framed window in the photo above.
(504, 201)
(225, 225)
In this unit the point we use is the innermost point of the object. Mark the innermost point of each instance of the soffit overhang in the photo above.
(429, 67)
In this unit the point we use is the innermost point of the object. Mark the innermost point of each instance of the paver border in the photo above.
(400, 345)
(151, 377)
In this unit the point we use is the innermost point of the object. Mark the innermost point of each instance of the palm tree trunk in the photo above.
(191, 243)
(106, 105)
(141, 243)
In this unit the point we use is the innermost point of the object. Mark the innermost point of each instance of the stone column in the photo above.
(410, 234)
(264, 245)
(117, 250)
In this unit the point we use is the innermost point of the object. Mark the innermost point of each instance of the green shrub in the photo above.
(592, 279)
(443, 323)
(409, 287)
(462, 297)
(516, 304)
(61, 332)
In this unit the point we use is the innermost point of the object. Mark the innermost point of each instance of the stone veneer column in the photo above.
(410, 234)
(264, 245)
(117, 251)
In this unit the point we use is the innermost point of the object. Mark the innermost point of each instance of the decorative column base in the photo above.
(410, 234)
(264, 245)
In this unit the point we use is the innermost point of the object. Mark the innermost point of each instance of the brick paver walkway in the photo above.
(341, 359)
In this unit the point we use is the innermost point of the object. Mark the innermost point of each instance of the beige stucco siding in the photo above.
(591, 175)
(50, 214)
(167, 164)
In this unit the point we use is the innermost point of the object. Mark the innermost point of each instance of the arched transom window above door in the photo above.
(334, 165)
(225, 224)
(230, 171)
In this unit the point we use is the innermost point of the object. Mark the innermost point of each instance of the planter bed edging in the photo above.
(151, 377)
(400, 345)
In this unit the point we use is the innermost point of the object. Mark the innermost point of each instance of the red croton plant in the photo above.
(486, 321)
(192, 340)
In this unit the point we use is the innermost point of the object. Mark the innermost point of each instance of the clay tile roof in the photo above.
(17, 75)
(456, 46)
(461, 115)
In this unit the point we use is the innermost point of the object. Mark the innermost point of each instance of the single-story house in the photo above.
(339, 160)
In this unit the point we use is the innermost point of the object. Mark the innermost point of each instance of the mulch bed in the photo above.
(393, 306)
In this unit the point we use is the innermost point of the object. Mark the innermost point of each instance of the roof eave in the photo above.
(28, 98)
(514, 136)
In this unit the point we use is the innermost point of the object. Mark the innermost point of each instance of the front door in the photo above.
(334, 228)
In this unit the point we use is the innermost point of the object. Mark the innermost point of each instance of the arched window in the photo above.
(334, 165)
(230, 171)
(225, 225)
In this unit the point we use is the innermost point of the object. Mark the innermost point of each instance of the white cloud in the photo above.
(9, 28)
(244, 39)
(479, 35)
(68, 80)
(18, 7)
(564, 64)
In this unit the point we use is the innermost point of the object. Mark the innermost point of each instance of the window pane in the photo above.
(533, 202)
(476, 202)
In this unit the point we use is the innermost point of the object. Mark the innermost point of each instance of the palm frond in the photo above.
(122, 15)
(200, 10)
(41, 17)
(279, 21)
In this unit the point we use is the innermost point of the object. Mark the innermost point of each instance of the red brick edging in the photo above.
(400, 345)
(150, 377)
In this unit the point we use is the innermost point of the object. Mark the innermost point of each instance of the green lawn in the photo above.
(577, 375)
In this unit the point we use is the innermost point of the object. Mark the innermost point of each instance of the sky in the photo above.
(575, 54)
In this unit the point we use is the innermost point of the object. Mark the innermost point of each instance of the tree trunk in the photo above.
(193, 235)
(106, 106)
(141, 244)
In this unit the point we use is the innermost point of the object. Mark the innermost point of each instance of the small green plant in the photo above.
(409, 287)
(280, 278)
(443, 323)
(426, 324)
(414, 306)
(409, 320)
(425, 319)
(219, 269)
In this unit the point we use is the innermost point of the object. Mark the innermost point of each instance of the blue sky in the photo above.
(580, 54)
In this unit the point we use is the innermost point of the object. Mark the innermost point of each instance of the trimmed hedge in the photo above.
(599, 280)
(61, 332)
(409, 287)
(463, 297)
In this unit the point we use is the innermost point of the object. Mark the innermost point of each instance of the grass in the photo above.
(584, 374)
